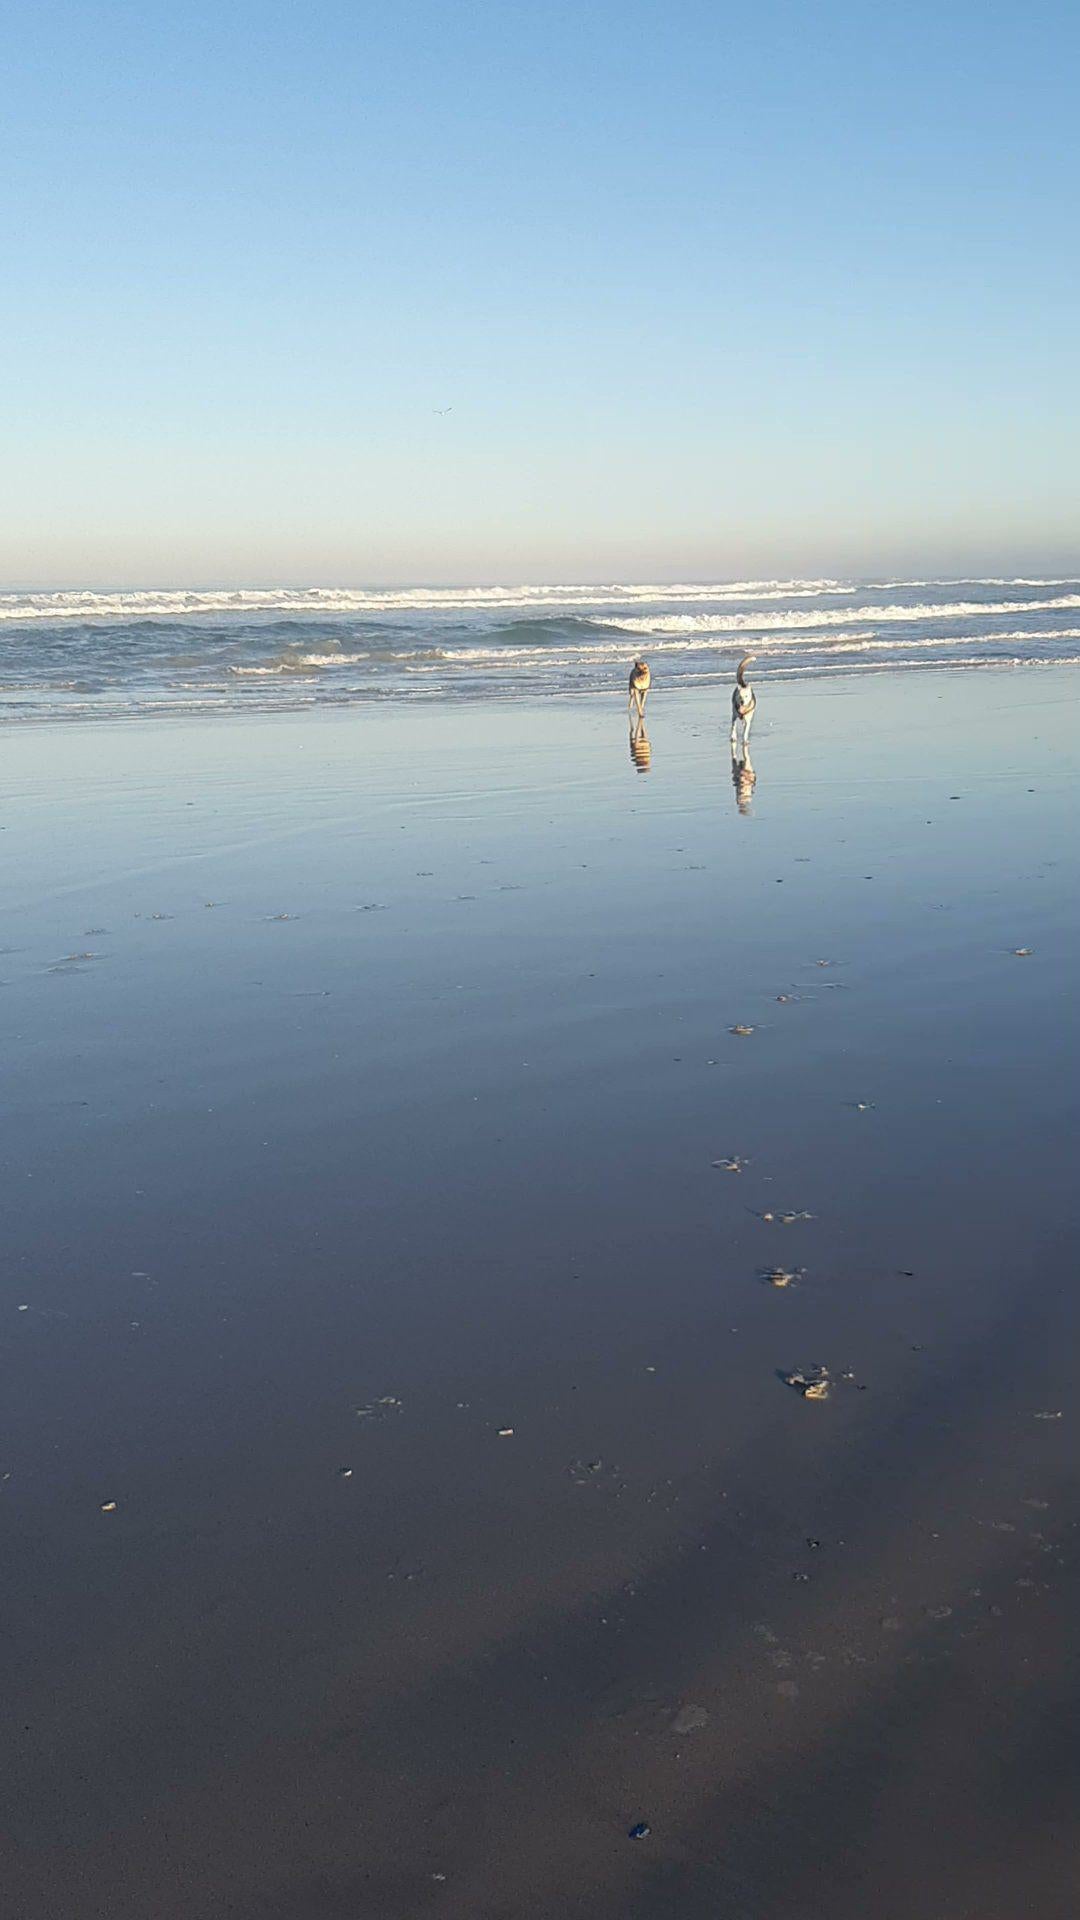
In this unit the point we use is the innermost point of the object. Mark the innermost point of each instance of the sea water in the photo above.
(87, 654)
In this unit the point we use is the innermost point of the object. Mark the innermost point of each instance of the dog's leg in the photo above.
(746, 731)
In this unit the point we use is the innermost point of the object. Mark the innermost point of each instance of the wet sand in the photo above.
(365, 1076)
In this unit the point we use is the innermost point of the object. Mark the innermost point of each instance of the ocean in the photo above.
(80, 655)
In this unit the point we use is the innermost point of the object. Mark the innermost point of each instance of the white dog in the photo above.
(743, 703)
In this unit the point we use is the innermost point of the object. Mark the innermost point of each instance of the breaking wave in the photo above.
(301, 662)
(834, 616)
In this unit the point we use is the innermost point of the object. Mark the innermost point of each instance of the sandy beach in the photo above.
(403, 1504)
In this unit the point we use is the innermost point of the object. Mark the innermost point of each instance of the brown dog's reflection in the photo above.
(743, 779)
(640, 748)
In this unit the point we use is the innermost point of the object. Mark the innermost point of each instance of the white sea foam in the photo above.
(299, 662)
(990, 661)
(330, 659)
(150, 605)
(862, 643)
(586, 651)
(182, 605)
(968, 580)
(819, 617)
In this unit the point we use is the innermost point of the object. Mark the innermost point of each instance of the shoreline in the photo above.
(324, 701)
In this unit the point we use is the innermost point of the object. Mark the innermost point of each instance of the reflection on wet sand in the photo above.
(743, 779)
(412, 1665)
(640, 747)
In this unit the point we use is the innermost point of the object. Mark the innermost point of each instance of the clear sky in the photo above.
(710, 289)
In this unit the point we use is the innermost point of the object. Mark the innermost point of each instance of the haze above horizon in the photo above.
(490, 293)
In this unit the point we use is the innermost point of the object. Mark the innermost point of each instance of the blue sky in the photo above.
(710, 290)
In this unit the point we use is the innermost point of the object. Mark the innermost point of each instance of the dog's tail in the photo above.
(743, 664)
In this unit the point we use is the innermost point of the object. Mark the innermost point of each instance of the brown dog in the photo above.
(640, 682)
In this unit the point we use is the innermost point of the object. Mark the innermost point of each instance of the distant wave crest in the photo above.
(186, 604)
(182, 605)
